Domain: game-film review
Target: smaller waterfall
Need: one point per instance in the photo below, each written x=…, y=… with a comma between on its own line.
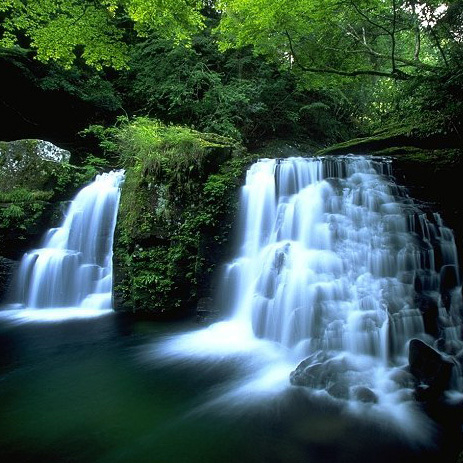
x=74, y=266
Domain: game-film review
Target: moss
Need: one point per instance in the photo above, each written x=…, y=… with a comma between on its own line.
x=176, y=210
x=397, y=140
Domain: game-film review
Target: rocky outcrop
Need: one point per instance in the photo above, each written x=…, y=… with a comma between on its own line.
x=175, y=213
x=319, y=371
x=430, y=369
x=7, y=269
x=29, y=164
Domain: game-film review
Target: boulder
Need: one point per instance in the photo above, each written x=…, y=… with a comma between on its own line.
x=318, y=371
x=364, y=394
x=29, y=163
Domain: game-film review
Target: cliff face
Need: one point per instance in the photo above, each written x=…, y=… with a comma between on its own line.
x=177, y=207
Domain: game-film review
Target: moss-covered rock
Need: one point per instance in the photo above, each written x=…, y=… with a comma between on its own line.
x=7, y=269
x=398, y=138
x=177, y=207
x=29, y=163
x=35, y=177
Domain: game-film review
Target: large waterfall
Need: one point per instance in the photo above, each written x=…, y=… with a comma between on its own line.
x=338, y=269
x=74, y=266
x=337, y=264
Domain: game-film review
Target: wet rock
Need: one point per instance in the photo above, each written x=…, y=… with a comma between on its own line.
x=448, y=282
x=448, y=277
x=450, y=347
x=364, y=394
x=339, y=390
x=403, y=378
x=428, y=307
x=318, y=372
x=7, y=269
x=306, y=375
x=206, y=313
x=431, y=371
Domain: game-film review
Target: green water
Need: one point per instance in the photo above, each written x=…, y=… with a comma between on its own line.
x=92, y=391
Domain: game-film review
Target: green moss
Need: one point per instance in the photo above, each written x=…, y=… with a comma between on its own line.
x=399, y=140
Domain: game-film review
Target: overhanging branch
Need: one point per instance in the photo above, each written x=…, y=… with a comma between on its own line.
x=394, y=74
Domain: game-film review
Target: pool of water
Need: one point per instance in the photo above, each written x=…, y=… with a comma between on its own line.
x=114, y=389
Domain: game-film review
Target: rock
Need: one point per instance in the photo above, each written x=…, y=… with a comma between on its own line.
x=307, y=375
x=427, y=304
x=318, y=372
x=173, y=221
x=339, y=390
x=448, y=282
x=448, y=278
x=29, y=163
x=206, y=312
x=403, y=378
x=7, y=270
x=364, y=394
x=431, y=371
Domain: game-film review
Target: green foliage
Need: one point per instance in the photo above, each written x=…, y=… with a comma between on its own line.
x=21, y=211
x=433, y=105
x=390, y=61
x=86, y=84
x=93, y=31
x=235, y=94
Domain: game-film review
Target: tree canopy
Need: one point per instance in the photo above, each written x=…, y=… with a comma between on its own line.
x=93, y=30
x=245, y=68
x=384, y=38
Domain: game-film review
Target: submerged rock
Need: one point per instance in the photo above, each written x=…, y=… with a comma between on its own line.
x=364, y=394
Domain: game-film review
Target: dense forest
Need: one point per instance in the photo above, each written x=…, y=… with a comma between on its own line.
x=250, y=70
x=184, y=94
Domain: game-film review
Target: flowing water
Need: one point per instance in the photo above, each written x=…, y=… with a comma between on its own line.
x=73, y=269
x=333, y=260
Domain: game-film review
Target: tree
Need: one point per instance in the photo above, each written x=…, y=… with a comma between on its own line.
x=93, y=30
x=382, y=38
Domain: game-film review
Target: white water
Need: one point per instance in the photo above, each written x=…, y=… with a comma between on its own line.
x=73, y=269
x=331, y=254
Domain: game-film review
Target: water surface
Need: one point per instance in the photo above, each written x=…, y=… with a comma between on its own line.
x=106, y=389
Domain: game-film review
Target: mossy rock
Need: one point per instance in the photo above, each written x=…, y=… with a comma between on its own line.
x=398, y=140
x=29, y=163
x=177, y=205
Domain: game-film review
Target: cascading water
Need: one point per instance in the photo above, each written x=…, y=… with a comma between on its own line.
x=74, y=266
x=339, y=266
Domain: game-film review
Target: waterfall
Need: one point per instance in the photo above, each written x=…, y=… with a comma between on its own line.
x=74, y=266
x=338, y=265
